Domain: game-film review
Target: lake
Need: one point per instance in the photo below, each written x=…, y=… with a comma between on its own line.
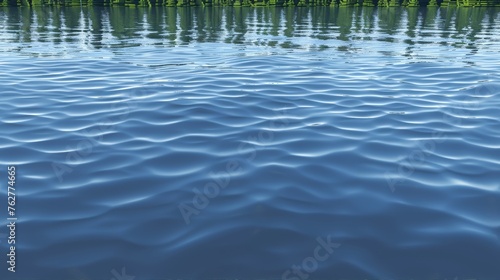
x=339, y=143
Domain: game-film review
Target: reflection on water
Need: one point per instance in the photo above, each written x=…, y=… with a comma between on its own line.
x=378, y=128
x=61, y=29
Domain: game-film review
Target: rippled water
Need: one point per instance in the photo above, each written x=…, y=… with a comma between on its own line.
x=231, y=143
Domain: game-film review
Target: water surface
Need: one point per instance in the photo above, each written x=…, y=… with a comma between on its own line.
x=375, y=128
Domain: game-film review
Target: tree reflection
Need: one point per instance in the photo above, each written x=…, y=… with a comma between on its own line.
x=288, y=27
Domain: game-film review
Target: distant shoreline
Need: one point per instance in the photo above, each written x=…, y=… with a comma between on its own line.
x=255, y=3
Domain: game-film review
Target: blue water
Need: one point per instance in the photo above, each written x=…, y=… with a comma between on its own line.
x=232, y=143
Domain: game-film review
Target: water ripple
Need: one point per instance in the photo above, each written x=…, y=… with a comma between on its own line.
x=394, y=155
